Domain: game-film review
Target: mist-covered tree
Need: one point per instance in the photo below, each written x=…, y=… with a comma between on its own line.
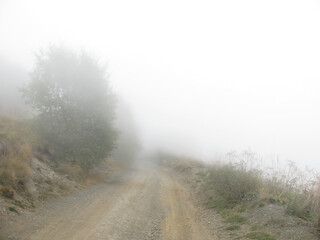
x=11, y=78
x=128, y=145
x=74, y=105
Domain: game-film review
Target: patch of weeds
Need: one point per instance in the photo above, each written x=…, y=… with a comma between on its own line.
x=260, y=236
x=236, y=219
x=63, y=187
x=201, y=174
x=258, y=203
x=255, y=227
x=233, y=228
x=300, y=206
x=48, y=181
x=208, y=185
x=241, y=209
x=225, y=213
x=42, y=197
x=235, y=184
x=220, y=204
x=13, y=209
x=211, y=204
x=276, y=222
x=7, y=192
x=262, y=204
x=18, y=203
x=278, y=199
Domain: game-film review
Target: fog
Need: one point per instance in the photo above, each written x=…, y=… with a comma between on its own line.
x=202, y=78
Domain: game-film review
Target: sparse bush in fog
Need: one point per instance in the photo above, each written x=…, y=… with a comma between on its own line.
x=74, y=105
x=234, y=184
x=128, y=143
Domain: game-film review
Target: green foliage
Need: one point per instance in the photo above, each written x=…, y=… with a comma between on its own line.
x=278, y=199
x=236, y=219
x=219, y=204
x=74, y=106
x=13, y=209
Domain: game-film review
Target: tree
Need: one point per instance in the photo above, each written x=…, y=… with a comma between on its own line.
x=11, y=102
x=74, y=105
x=128, y=142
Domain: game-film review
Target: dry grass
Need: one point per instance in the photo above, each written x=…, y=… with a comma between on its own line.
x=233, y=183
x=7, y=192
x=72, y=171
x=86, y=178
x=18, y=145
x=298, y=190
x=242, y=180
x=16, y=142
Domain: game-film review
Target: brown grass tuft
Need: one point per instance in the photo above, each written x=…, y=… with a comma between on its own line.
x=16, y=141
x=7, y=192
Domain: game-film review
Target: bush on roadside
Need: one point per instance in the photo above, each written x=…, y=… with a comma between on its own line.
x=233, y=184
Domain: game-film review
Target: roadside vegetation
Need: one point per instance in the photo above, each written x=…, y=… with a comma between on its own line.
x=75, y=107
x=16, y=150
x=17, y=140
x=67, y=134
x=239, y=190
x=30, y=172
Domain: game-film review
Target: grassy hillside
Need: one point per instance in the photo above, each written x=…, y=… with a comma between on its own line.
x=251, y=200
x=16, y=149
x=30, y=172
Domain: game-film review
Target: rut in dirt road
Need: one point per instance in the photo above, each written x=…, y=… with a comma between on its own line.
x=143, y=204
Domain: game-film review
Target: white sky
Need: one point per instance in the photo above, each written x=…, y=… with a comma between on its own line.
x=202, y=77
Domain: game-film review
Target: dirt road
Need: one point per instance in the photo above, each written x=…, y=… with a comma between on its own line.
x=142, y=204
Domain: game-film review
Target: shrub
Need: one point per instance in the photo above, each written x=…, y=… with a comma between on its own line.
x=7, y=192
x=233, y=184
x=13, y=209
x=299, y=206
x=75, y=106
x=6, y=177
x=15, y=172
